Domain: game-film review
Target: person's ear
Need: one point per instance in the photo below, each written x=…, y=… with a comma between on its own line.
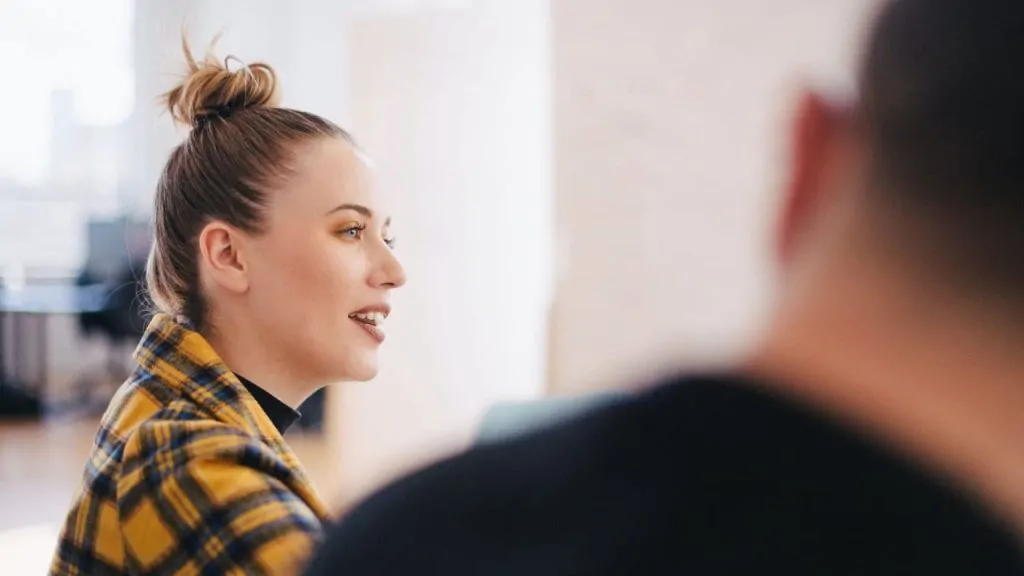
x=221, y=254
x=813, y=140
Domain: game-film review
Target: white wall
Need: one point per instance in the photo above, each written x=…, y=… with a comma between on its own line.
x=671, y=124
x=454, y=106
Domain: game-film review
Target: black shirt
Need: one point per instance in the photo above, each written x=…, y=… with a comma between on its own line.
x=701, y=476
x=280, y=414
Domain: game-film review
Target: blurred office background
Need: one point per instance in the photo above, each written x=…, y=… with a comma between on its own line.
x=583, y=192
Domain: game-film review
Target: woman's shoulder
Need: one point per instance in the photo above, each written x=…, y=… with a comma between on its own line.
x=188, y=477
x=174, y=437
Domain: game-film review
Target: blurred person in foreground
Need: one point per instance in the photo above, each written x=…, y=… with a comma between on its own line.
x=270, y=268
x=877, y=428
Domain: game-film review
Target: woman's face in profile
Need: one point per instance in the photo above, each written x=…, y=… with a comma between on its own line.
x=321, y=274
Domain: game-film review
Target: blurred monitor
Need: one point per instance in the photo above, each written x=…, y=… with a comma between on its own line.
x=111, y=243
x=507, y=421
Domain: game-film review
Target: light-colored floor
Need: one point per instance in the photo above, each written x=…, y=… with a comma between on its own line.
x=40, y=468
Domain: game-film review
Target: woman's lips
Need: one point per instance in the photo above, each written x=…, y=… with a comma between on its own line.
x=370, y=325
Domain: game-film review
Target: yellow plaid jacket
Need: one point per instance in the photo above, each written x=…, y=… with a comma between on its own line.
x=188, y=475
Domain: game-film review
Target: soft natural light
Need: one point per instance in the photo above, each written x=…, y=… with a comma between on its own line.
x=60, y=45
x=398, y=7
x=27, y=551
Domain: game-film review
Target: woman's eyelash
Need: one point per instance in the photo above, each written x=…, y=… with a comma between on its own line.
x=356, y=231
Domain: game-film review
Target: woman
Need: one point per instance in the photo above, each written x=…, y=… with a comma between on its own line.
x=271, y=268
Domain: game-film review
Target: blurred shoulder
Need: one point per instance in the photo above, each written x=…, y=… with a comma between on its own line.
x=556, y=488
x=607, y=443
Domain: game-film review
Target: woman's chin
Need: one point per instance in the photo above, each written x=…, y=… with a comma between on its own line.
x=349, y=364
x=360, y=369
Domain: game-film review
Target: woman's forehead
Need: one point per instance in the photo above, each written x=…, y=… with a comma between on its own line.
x=330, y=173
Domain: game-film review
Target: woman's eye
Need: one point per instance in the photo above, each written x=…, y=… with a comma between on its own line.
x=354, y=233
x=390, y=241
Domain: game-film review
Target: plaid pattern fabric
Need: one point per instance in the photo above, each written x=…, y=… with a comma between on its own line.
x=187, y=475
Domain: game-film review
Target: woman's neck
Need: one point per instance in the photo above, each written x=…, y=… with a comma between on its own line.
x=242, y=354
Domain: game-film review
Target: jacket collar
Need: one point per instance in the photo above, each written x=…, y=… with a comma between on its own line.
x=183, y=360
x=180, y=358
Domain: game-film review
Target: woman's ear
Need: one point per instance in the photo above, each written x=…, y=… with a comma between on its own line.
x=223, y=258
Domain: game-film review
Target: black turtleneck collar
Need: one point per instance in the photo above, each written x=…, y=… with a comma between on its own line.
x=280, y=414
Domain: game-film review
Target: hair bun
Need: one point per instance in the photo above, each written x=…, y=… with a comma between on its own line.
x=211, y=89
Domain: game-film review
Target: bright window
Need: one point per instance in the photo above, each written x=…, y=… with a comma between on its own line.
x=66, y=67
x=81, y=49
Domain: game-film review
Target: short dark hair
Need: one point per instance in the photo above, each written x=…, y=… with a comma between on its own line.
x=942, y=103
x=240, y=145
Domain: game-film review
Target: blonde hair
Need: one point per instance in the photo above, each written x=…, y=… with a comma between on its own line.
x=239, y=145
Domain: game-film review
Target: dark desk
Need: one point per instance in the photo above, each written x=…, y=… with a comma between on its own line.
x=34, y=304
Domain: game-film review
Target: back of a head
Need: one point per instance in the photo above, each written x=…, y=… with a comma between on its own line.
x=942, y=103
x=240, y=144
